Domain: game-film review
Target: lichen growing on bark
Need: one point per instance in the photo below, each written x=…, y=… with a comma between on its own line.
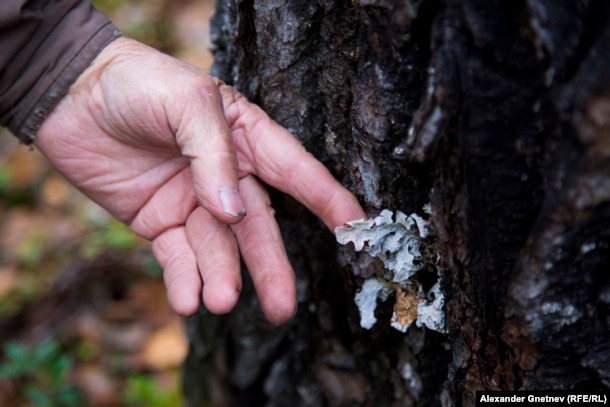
x=399, y=243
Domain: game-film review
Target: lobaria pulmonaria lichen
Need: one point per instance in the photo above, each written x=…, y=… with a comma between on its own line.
x=403, y=245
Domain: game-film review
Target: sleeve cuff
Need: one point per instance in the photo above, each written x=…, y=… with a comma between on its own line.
x=27, y=128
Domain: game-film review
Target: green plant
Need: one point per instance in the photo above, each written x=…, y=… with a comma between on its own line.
x=43, y=372
x=13, y=195
x=110, y=234
x=5, y=179
x=144, y=391
x=31, y=251
x=151, y=266
x=118, y=236
x=107, y=6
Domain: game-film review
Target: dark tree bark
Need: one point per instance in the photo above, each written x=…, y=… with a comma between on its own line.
x=497, y=113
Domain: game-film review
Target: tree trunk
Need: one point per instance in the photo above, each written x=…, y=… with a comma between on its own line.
x=497, y=115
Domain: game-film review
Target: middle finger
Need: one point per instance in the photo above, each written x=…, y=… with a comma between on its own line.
x=217, y=259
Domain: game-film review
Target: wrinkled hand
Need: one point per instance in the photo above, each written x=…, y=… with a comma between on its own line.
x=178, y=156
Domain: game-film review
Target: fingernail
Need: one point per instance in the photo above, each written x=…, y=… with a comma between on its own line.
x=231, y=202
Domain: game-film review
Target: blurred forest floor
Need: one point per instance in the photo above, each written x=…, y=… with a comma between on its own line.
x=84, y=319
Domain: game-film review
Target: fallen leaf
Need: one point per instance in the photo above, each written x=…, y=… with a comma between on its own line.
x=166, y=348
x=98, y=387
x=9, y=280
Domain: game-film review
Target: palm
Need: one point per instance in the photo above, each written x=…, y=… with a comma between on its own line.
x=155, y=153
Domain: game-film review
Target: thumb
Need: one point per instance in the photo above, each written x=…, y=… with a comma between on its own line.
x=203, y=135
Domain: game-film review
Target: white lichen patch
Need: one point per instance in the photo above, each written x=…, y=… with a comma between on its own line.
x=564, y=314
x=409, y=374
x=398, y=244
x=431, y=313
x=366, y=299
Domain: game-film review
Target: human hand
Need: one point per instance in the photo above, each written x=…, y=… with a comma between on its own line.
x=178, y=155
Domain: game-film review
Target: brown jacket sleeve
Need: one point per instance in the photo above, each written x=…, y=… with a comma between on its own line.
x=44, y=46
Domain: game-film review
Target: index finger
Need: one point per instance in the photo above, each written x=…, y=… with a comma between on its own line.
x=277, y=158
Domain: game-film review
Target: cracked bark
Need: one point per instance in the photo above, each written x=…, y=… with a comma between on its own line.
x=498, y=114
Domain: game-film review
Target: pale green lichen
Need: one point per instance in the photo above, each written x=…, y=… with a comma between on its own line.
x=397, y=242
